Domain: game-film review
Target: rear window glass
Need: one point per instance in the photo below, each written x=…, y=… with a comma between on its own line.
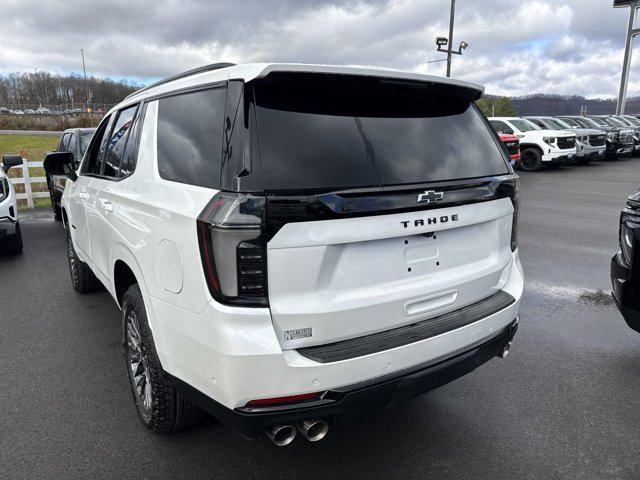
x=190, y=129
x=346, y=132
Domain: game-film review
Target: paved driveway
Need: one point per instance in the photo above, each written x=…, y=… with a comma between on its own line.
x=565, y=404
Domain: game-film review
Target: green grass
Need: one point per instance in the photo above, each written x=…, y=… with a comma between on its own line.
x=34, y=148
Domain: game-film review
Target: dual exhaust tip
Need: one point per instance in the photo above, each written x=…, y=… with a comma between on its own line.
x=312, y=430
x=316, y=430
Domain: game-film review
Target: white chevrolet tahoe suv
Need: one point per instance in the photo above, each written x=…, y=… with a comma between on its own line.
x=10, y=233
x=295, y=244
x=538, y=147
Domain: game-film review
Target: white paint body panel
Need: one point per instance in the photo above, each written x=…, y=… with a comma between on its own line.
x=350, y=277
x=6, y=204
x=345, y=277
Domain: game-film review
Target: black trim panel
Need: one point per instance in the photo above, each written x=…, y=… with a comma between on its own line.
x=398, y=337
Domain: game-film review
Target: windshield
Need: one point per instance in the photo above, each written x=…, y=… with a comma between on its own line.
x=616, y=122
x=600, y=121
x=556, y=124
x=565, y=123
x=632, y=121
x=365, y=132
x=571, y=122
x=85, y=138
x=524, y=125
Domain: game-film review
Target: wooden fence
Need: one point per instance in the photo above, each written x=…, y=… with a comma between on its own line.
x=27, y=180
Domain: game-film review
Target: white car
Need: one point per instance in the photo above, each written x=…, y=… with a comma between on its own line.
x=590, y=143
x=290, y=244
x=538, y=147
x=10, y=233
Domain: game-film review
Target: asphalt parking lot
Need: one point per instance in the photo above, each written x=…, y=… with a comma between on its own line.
x=564, y=404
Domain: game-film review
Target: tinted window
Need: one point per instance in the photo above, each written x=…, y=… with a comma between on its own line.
x=324, y=133
x=128, y=164
x=98, y=146
x=117, y=142
x=190, y=130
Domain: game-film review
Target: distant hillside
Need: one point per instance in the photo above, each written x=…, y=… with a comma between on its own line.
x=545, y=104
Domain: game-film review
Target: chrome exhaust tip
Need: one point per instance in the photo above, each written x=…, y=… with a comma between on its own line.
x=505, y=350
x=313, y=430
x=281, y=435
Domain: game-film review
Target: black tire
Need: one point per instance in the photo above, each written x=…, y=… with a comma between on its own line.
x=13, y=243
x=531, y=160
x=160, y=407
x=82, y=278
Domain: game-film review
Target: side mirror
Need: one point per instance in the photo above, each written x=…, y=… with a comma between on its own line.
x=60, y=163
x=507, y=131
x=9, y=161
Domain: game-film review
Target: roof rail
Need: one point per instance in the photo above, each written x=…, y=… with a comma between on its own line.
x=188, y=73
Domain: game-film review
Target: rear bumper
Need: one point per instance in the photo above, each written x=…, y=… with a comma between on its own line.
x=626, y=292
x=227, y=356
x=360, y=399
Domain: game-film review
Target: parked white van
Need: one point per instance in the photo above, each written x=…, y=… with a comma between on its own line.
x=295, y=244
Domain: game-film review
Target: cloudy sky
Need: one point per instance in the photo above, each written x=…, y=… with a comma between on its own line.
x=516, y=47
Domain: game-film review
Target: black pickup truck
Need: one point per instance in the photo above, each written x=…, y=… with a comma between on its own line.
x=625, y=265
x=76, y=141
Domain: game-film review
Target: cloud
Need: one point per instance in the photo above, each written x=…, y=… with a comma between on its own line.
x=518, y=48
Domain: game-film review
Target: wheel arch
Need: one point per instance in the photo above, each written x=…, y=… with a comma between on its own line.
x=525, y=146
x=125, y=272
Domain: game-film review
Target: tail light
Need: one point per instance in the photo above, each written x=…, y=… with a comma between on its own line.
x=510, y=188
x=233, y=249
x=628, y=224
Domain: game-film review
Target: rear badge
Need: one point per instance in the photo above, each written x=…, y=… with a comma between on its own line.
x=430, y=196
x=297, y=334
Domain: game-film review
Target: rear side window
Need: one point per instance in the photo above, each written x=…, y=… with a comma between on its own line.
x=98, y=146
x=118, y=141
x=319, y=132
x=190, y=131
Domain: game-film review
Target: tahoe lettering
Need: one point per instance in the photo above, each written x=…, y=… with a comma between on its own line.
x=421, y=222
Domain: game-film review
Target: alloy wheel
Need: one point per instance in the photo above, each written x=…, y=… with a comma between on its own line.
x=137, y=361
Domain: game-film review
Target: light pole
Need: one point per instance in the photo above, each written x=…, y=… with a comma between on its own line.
x=626, y=64
x=86, y=92
x=444, y=42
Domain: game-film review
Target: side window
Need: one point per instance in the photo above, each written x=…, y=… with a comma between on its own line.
x=190, y=131
x=129, y=160
x=499, y=126
x=117, y=142
x=92, y=165
x=63, y=146
x=103, y=147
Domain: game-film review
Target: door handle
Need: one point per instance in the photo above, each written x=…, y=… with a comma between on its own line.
x=83, y=195
x=107, y=206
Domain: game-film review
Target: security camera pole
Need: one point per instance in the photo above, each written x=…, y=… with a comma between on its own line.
x=443, y=42
x=631, y=33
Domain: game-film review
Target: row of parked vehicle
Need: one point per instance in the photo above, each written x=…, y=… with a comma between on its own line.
x=47, y=111
x=561, y=140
